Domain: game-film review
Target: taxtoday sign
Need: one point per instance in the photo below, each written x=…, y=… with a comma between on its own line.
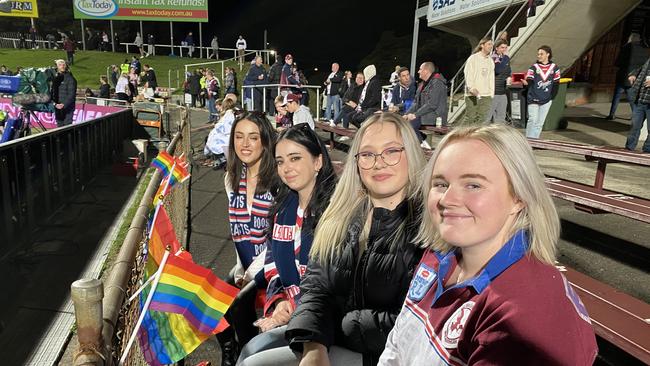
x=147, y=10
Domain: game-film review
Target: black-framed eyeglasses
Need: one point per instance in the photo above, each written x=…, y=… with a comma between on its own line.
x=391, y=156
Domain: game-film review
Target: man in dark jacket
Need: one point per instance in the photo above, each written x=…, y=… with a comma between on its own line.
x=639, y=93
x=430, y=99
x=256, y=76
x=403, y=92
x=631, y=57
x=64, y=92
x=332, y=84
x=275, y=73
x=150, y=76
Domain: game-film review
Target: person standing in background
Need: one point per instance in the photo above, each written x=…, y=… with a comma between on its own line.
x=138, y=43
x=69, y=47
x=640, y=96
x=241, y=48
x=631, y=57
x=542, y=79
x=215, y=48
x=502, y=71
x=64, y=92
x=479, y=83
x=151, y=46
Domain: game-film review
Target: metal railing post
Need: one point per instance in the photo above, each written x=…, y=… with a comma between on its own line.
x=87, y=295
x=317, y=103
x=263, y=99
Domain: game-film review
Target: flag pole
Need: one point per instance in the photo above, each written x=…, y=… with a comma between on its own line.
x=155, y=214
x=147, y=282
x=143, y=312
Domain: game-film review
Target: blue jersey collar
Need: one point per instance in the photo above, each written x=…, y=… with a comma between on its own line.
x=512, y=251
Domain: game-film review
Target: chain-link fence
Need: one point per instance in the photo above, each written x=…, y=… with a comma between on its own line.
x=176, y=204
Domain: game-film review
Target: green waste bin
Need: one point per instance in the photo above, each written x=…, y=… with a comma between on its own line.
x=556, y=112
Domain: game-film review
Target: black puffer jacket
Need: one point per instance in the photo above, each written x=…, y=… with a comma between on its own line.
x=353, y=302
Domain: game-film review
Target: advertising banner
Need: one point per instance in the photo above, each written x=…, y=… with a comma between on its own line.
x=443, y=11
x=146, y=10
x=23, y=8
x=82, y=113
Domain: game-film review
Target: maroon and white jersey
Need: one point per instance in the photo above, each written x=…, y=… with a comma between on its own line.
x=516, y=311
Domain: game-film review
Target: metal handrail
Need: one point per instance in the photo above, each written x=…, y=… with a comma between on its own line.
x=492, y=31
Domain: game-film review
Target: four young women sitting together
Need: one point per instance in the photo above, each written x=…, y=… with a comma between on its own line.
x=398, y=263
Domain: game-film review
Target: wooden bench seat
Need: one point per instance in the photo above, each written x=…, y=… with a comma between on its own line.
x=334, y=131
x=595, y=200
x=442, y=130
x=616, y=316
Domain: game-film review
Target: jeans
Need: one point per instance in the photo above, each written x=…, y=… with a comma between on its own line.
x=416, y=124
x=536, y=117
x=332, y=101
x=212, y=109
x=338, y=356
x=273, y=338
x=618, y=91
x=498, y=109
x=640, y=113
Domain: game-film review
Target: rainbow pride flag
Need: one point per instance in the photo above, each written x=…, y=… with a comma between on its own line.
x=166, y=338
x=193, y=291
x=162, y=234
x=163, y=162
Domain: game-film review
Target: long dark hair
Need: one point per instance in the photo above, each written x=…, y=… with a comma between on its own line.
x=267, y=177
x=325, y=180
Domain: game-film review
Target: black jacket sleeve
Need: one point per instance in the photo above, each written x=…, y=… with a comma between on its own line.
x=313, y=319
x=373, y=95
x=70, y=92
x=366, y=330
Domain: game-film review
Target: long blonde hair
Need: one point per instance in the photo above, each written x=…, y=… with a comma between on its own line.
x=483, y=41
x=351, y=200
x=526, y=182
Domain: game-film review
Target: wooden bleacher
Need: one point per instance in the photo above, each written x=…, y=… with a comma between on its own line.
x=594, y=198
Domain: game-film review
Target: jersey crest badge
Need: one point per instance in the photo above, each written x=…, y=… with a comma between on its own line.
x=421, y=283
x=454, y=326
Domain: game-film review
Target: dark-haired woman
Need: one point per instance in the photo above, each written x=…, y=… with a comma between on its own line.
x=250, y=180
x=543, y=79
x=305, y=168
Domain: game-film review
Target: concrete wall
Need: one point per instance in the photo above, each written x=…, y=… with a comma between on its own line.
x=569, y=27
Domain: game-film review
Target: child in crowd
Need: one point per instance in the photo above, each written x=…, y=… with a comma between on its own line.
x=487, y=291
x=216, y=145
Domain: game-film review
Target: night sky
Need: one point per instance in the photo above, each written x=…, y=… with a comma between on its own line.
x=316, y=32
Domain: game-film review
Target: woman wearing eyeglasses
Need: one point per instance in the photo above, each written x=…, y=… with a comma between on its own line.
x=362, y=257
x=250, y=181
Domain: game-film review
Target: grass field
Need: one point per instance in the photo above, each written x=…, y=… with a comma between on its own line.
x=89, y=65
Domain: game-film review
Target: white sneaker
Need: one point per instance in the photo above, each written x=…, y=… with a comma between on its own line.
x=425, y=145
x=332, y=124
x=344, y=138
